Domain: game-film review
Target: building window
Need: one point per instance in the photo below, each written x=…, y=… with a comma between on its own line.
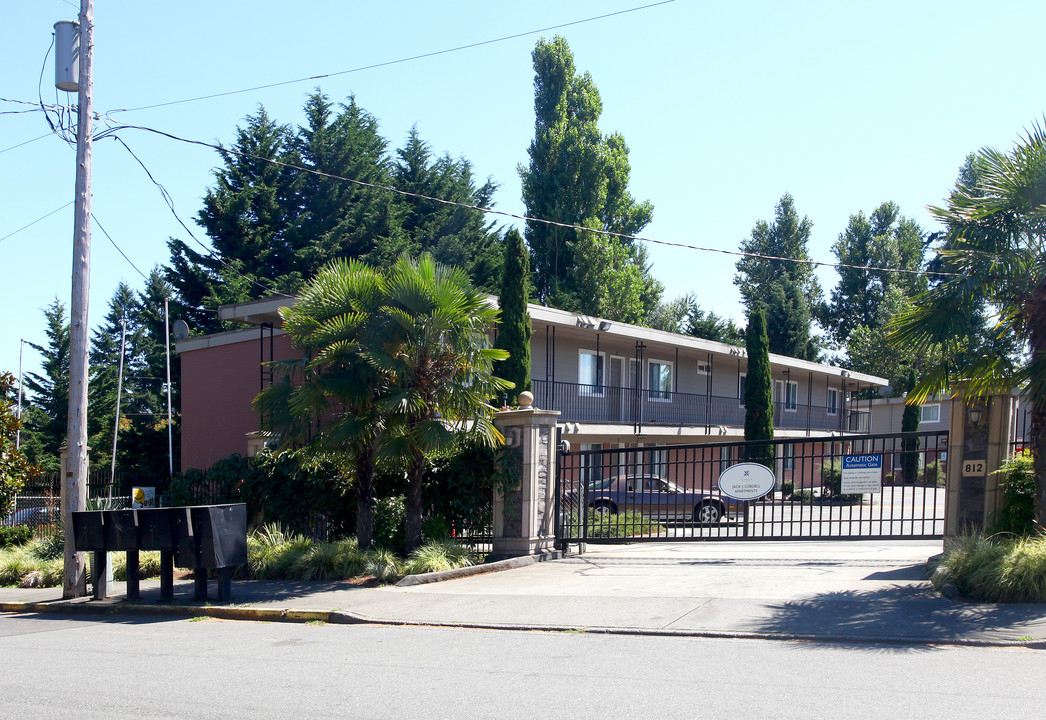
x=791, y=396
x=660, y=387
x=590, y=373
x=930, y=413
x=704, y=368
x=833, y=401
x=657, y=463
x=741, y=390
x=726, y=456
x=788, y=453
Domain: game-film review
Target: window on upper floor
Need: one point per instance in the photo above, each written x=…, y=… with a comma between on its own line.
x=741, y=389
x=833, y=401
x=590, y=372
x=660, y=379
x=930, y=413
x=704, y=368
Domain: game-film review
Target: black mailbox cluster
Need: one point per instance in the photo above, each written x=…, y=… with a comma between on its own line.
x=203, y=537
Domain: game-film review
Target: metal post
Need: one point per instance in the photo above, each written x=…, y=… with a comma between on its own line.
x=119, y=395
x=18, y=430
x=167, y=349
x=74, y=581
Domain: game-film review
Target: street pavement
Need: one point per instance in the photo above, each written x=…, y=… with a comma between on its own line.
x=844, y=591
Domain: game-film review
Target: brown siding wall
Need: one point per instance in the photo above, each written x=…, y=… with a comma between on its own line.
x=218, y=385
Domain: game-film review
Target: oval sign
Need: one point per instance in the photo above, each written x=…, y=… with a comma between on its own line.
x=746, y=481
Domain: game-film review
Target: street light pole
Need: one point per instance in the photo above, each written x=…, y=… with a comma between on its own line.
x=18, y=432
x=74, y=484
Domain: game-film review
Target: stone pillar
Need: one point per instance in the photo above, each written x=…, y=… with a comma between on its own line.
x=979, y=442
x=524, y=522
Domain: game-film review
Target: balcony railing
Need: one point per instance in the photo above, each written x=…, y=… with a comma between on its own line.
x=633, y=406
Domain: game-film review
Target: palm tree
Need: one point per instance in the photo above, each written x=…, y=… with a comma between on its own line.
x=994, y=248
x=430, y=343
x=328, y=397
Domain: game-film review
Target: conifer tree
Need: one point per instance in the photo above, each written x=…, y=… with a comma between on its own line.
x=515, y=329
x=759, y=408
x=910, y=423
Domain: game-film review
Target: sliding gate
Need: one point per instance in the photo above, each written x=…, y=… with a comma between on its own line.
x=859, y=487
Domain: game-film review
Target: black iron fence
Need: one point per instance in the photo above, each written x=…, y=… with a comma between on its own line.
x=635, y=406
x=869, y=487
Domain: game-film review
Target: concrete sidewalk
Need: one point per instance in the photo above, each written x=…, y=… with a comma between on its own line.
x=860, y=591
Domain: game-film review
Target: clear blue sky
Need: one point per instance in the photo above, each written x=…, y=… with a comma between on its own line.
x=725, y=107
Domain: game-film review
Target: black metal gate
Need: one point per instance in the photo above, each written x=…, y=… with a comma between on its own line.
x=671, y=493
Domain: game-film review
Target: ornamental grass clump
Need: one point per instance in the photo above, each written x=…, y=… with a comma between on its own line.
x=437, y=555
x=996, y=568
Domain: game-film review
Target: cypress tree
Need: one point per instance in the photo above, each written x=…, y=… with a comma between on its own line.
x=514, y=331
x=910, y=423
x=759, y=409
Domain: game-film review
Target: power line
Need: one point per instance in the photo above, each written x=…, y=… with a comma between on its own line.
x=26, y=142
x=110, y=238
x=525, y=218
x=394, y=62
x=170, y=204
x=34, y=222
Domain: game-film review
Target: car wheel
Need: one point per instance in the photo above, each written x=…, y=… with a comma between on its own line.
x=707, y=513
x=602, y=508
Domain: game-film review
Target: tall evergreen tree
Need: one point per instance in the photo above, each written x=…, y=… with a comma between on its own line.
x=515, y=329
x=910, y=423
x=759, y=407
x=49, y=391
x=885, y=239
x=580, y=177
x=789, y=304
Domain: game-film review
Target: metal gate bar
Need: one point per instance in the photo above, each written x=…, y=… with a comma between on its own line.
x=670, y=492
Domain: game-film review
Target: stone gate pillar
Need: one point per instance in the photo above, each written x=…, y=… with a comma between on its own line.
x=524, y=522
x=979, y=442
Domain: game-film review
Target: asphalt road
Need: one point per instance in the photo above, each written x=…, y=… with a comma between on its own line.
x=59, y=667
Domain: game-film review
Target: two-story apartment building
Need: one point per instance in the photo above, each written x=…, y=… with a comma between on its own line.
x=615, y=385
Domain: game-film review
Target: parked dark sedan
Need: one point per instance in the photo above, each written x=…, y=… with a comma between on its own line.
x=35, y=517
x=657, y=498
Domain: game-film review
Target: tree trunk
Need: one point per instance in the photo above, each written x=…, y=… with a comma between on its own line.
x=365, y=498
x=1037, y=430
x=415, y=479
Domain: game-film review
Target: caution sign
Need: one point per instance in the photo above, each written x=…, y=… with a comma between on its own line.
x=862, y=474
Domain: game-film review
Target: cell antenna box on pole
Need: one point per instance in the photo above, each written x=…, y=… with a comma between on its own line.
x=67, y=55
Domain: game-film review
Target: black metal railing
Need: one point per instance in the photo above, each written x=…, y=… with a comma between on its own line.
x=868, y=487
x=634, y=406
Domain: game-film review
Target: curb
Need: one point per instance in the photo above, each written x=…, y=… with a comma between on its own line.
x=342, y=617
x=481, y=569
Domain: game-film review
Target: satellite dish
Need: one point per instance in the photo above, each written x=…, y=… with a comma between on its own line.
x=883, y=391
x=181, y=330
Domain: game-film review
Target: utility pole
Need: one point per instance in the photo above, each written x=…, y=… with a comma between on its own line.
x=74, y=484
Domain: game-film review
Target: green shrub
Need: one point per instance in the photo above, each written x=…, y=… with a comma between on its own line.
x=787, y=488
x=617, y=525
x=1017, y=481
x=933, y=474
x=832, y=482
x=802, y=496
x=390, y=523
x=382, y=564
x=435, y=556
x=997, y=568
x=14, y=536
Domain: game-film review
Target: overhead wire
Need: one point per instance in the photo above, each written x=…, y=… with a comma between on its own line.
x=45, y=135
x=170, y=204
x=387, y=63
x=525, y=218
x=118, y=249
x=34, y=222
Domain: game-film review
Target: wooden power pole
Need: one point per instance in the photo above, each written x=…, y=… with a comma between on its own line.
x=74, y=484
